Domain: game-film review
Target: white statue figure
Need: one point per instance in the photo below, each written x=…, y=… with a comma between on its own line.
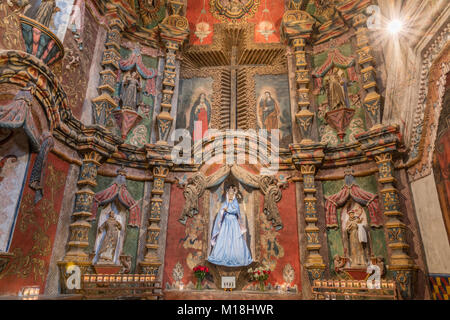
x=108, y=242
x=355, y=234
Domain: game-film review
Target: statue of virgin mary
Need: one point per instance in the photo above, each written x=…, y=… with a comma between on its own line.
x=228, y=244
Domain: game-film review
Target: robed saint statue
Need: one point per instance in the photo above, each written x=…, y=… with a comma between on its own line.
x=228, y=240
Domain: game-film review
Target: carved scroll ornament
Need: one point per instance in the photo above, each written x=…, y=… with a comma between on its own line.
x=268, y=185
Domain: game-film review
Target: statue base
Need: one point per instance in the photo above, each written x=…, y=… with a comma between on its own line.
x=358, y=273
x=241, y=274
x=107, y=268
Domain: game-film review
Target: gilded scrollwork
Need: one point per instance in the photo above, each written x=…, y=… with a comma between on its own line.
x=268, y=185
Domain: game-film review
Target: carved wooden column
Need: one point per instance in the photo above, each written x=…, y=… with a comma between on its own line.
x=304, y=116
x=104, y=103
x=297, y=26
x=307, y=159
x=372, y=100
x=152, y=260
x=94, y=146
x=164, y=119
x=84, y=197
x=401, y=264
x=174, y=31
x=307, y=155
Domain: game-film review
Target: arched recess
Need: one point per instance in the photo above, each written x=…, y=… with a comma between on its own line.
x=28, y=74
x=32, y=106
x=268, y=185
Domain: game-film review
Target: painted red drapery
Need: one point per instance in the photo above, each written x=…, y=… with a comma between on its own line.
x=125, y=198
x=359, y=195
x=203, y=119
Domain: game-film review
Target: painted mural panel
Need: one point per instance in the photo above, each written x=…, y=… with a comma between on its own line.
x=14, y=158
x=273, y=106
x=35, y=230
x=268, y=21
x=265, y=15
x=195, y=106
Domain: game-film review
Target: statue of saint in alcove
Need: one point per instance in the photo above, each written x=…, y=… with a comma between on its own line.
x=110, y=234
x=229, y=234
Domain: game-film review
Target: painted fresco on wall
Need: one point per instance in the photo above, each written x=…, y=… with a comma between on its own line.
x=35, y=230
x=336, y=86
x=114, y=234
x=265, y=15
x=354, y=235
x=441, y=158
x=136, y=91
x=194, y=106
x=14, y=157
x=9, y=24
x=77, y=64
x=273, y=106
x=201, y=22
x=268, y=21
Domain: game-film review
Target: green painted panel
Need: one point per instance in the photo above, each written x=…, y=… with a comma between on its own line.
x=334, y=236
x=130, y=246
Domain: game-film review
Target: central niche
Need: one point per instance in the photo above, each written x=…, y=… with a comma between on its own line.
x=232, y=232
x=235, y=225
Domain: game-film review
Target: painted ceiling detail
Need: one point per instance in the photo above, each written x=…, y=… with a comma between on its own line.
x=232, y=10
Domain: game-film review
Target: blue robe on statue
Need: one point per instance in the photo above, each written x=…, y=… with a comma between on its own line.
x=229, y=246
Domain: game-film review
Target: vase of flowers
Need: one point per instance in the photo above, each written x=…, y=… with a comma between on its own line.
x=200, y=273
x=260, y=274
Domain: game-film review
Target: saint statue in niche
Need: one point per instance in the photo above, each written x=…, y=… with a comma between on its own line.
x=356, y=234
x=109, y=233
x=200, y=113
x=335, y=90
x=268, y=112
x=131, y=87
x=44, y=13
x=228, y=242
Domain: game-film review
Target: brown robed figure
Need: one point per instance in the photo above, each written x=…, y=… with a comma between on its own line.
x=269, y=112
